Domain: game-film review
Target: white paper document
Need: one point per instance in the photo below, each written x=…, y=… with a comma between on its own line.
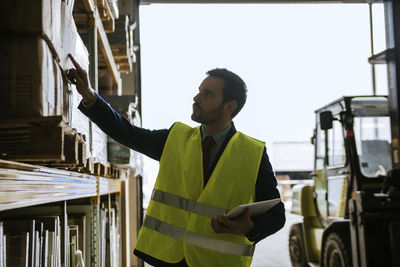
x=255, y=208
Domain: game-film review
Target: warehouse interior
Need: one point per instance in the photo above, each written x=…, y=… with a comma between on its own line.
x=70, y=195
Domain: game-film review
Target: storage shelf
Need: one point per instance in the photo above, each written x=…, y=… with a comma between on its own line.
x=106, y=49
x=90, y=7
x=109, y=186
x=23, y=185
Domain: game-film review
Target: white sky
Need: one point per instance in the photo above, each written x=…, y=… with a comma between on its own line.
x=294, y=59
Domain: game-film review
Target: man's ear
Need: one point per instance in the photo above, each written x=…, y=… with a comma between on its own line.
x=230, y=106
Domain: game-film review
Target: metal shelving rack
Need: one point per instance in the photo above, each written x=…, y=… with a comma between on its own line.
x=23, y=186
x=26, y=185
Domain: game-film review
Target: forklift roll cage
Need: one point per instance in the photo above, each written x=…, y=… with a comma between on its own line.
x=366, y=106
x=345, y=114
x=345, y=206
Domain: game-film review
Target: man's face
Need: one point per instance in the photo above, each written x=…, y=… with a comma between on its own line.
x=208, y=106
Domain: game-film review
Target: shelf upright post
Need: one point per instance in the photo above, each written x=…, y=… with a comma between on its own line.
x=92, y=49
x=140, y=209
x=95, y=227
x=93, y=77
x=108, y=220
x=125, y=216
x=137, y=66
x=93, y=60
x=120, y=214
x=64, y=234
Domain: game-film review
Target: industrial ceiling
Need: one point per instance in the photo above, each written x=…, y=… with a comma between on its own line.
x=144, y=2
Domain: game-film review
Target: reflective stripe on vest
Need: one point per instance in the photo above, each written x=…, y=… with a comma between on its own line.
x=197, y=239
x=186, y=204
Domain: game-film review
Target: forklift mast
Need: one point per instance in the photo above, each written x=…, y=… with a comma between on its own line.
x=391, y=56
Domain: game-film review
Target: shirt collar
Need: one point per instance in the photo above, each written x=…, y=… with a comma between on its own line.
x=219, y=137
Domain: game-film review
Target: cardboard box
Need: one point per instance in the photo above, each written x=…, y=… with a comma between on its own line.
x=31, y=82
x=99, y=148
x=50, y=19
x=71, y=41
x=32, y=16
x=78, y=120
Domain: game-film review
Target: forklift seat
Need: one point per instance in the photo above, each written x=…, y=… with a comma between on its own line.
x=375, y=157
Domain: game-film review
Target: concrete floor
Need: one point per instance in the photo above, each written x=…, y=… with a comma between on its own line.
x=273, y=251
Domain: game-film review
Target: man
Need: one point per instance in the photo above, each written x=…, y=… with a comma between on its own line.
x=204, y=171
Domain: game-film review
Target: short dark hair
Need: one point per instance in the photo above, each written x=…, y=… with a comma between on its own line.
x=234, y=87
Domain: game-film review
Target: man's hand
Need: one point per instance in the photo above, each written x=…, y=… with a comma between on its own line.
x=240, y=225
x=79, y=77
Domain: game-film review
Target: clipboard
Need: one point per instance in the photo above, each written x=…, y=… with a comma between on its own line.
x=255, y=208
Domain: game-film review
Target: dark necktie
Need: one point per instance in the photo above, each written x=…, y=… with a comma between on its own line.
x=207, y=144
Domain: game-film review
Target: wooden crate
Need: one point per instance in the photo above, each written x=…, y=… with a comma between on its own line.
x=108, y=171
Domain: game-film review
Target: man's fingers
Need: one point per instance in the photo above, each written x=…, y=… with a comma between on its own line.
x=225, y=221
x=218, y=227
x=72, y=75
x=214, y=225
x=246, y=213
x=77, y=66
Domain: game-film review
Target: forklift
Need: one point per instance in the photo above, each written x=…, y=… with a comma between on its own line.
x=351, y=213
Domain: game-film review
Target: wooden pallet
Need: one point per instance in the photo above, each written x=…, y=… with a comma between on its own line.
x=114, y=172
x=80, y=15
x=50, y=142
x=123, y=57
x=42, y=139
x=106, y=16
x=81, y=21
x=108, y=171
x=124, y=63
x=74, y=150
x=120, y=50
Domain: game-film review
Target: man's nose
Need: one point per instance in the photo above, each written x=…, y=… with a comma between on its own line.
x=196, y=98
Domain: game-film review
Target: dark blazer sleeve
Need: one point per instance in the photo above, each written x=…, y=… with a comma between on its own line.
x=149, y=142
x=266, y=188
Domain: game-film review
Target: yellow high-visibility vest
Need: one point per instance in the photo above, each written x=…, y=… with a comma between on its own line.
x=178, y=219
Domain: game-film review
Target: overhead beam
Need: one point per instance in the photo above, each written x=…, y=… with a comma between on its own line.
x=147, y=2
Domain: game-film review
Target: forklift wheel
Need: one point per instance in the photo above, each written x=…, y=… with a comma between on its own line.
x=336, y=251
x=296, y=247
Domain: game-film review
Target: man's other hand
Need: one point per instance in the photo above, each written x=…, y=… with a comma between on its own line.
x=79, y=77
x=240, y=225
